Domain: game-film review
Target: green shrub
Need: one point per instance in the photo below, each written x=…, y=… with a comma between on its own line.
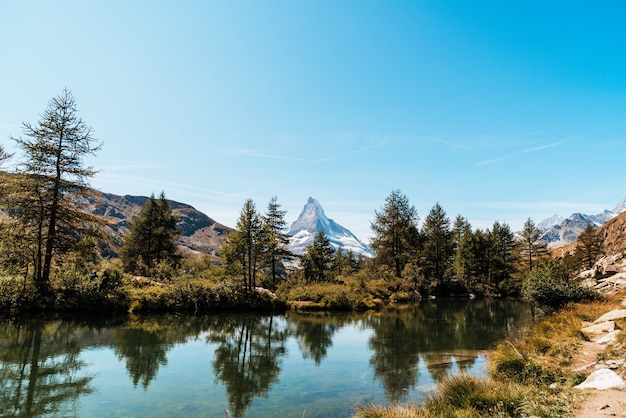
x=16, y=295
x=549, y=285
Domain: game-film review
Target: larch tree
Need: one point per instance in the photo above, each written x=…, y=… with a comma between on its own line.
x=396, y=235
x=245, y=247
x=152, y=237
x=277, y=238
x=531, y=246
x=46, y=195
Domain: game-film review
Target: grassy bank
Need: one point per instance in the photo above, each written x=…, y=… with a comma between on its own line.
x=196, y=289
x=72, y=291
x=533, y=377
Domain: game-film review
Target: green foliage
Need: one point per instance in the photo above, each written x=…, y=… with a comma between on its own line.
x=199, y=296
x=549, y=285
x=45, y=197
x=17, y=295
x=531, y=247
x=396, y=237
x=438, y=251
x=589, y=246
x=152, y=237
x=242, y=254
x=277, y=240
x=318, y=260
x=484, y=261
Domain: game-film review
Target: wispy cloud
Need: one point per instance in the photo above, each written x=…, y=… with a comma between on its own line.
x=524, y=151
x=450, y=144
x=254, y=153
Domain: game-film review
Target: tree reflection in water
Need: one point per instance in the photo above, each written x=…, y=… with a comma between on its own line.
x=41, y=372
x=248, y=357
x=39, y=369
x=442, y=333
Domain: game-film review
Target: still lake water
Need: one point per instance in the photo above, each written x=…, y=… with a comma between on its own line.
x=244, y=365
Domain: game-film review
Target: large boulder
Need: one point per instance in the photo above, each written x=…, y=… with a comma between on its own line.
x=602, y=379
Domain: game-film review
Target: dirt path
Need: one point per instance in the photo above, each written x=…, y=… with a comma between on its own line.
x=599, y=403
x=604, y=403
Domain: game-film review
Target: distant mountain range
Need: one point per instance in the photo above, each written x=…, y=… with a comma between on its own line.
x=312, y=220
x=201, y=234
x=558, y=231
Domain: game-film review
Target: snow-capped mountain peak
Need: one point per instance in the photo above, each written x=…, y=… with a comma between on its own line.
x=312, y=220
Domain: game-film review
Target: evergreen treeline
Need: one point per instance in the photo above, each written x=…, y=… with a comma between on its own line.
x=49, y=246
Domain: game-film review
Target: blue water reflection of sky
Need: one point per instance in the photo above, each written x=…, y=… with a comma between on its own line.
x=186, y=384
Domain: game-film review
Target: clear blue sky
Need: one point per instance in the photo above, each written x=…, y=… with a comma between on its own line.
x=497, y=110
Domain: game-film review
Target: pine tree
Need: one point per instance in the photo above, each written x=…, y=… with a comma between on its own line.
x=319, y=258
x=46, y=195
x=438, y=250
x=396, y=237
x=152, y=237
x=460, y=230
x=503, y=259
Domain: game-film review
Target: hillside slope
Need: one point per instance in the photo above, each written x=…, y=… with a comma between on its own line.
x=200, y=233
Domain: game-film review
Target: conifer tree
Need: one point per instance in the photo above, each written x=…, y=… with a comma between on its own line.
x=396, y=237
x=245, y=246
x=438, y=250
x=589, y=246
x=503, y=259
x=461, y=230
x=46, y=195
x=531, y=246
x=318, y=259
x=152, y=237
x=277, y=239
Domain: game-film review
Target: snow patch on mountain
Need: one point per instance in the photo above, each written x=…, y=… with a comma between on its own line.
x=312, y=220
x=550, y=222
x=565, y=231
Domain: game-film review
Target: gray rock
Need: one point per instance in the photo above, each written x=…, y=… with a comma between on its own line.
x=611, y=316
x=602, y=379
x=609, y=338
x=596, y=330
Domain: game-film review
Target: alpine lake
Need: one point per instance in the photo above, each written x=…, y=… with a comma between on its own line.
x=317, y=364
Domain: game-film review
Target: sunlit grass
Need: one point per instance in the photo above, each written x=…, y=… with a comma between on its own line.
x=528, y=377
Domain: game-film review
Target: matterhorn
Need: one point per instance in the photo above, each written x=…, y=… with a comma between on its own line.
x=312, y=220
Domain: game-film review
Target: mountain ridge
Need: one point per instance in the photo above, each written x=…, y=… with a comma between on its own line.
x=558, y=231
x=200, y=233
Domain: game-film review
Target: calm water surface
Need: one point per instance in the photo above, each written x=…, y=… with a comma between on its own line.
x=317, y=364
